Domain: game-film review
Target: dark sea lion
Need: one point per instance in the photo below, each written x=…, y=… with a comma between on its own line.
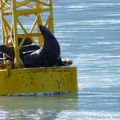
x=1, y=57
x=47, y=55
x=9, y=51
x=60, y=62
x=27, y=41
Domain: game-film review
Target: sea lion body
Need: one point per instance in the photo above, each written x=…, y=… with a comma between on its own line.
x=35, y=56
x=47, y=55
x=9, y=50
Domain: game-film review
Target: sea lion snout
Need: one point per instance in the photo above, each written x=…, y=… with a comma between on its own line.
x=44, y=31
x=41, y=28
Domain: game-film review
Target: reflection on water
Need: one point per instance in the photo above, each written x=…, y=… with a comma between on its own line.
x=37, y=107
x=47, y=102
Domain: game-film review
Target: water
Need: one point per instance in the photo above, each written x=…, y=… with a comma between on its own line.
x=88, y=32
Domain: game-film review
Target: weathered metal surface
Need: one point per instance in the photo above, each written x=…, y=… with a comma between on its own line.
x=35, y=80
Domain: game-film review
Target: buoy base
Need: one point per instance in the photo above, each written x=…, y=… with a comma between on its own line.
x=38, y=80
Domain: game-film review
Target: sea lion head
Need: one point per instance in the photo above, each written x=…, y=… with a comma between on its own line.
x=47, y=35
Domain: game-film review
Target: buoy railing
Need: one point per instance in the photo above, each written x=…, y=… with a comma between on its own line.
x=13, y=27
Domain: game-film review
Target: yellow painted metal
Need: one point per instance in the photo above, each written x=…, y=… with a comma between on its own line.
x=15, y=79
x=12, y=13
x=36, y=80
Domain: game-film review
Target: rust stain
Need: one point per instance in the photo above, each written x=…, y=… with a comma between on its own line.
x=58, y=84
x=43, y=86
x=51, y=76
x=22, y=76
x=32, y=82
x=26, y=85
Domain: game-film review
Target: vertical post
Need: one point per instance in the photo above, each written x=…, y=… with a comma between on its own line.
x=2, y=23
x=51, y=18
x=17, y=60
x=39, y=21
x=1, y=15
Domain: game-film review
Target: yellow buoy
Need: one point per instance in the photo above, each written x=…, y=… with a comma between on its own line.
x=14, y=78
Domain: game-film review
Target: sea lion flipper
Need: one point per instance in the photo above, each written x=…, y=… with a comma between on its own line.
x=60, y=62
x=9, y=51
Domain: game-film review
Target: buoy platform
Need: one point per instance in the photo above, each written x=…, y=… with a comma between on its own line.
x=14, y=77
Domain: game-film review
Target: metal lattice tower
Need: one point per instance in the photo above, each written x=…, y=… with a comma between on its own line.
x=21, y=19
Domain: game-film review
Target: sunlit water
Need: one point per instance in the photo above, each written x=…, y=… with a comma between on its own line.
x=89, y=34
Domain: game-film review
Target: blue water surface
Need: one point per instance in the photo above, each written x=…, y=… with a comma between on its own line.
x=89, y=34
